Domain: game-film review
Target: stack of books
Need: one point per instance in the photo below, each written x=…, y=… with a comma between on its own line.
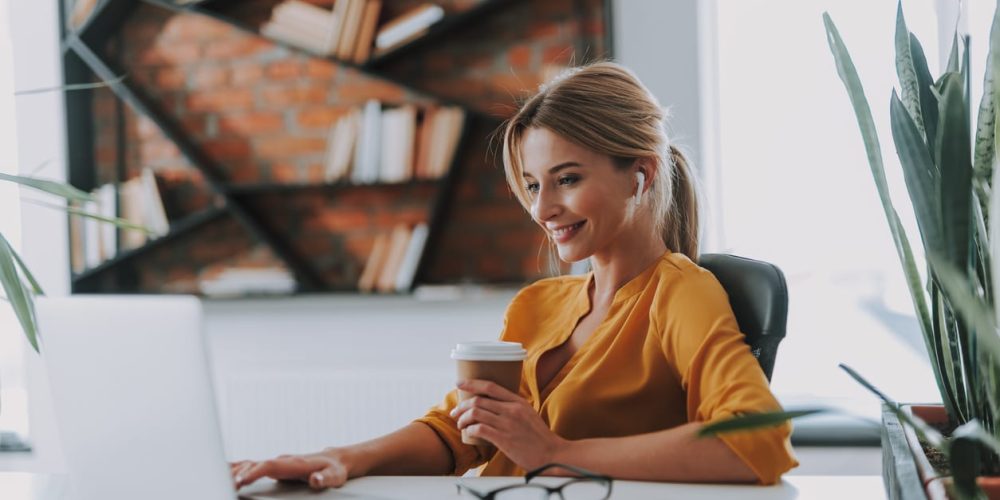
x=392, y=264
x=241, y=282
x=393, y=144
x=346, y=32
x=137, y=200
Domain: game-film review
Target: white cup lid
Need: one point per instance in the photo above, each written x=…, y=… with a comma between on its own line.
x=490, y=350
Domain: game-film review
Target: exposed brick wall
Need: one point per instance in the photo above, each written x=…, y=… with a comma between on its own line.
x=262, y=112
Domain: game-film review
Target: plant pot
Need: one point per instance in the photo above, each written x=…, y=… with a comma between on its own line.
x=906, y=471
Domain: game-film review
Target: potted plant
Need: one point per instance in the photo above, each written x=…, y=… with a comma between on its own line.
x=949, y=176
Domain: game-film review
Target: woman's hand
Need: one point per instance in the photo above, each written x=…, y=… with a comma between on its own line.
x=326, y=469
x=508, y=421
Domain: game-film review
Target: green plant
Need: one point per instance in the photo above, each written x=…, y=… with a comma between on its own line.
x=19, y=285
x=949, y=176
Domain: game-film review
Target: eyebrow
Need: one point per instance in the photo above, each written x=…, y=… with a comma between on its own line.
x=556, y=168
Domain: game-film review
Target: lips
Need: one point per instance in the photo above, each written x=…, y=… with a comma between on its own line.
x=565, y=233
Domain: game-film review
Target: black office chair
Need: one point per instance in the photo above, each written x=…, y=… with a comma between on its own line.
x=759, y=298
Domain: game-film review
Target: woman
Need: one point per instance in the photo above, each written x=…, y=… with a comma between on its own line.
x=624, y=364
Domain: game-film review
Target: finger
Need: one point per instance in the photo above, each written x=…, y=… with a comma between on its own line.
x=330, y=477
x=487, y=388
x=480, y=401
x=485, y=431
x=479, y=416
x=240, y=472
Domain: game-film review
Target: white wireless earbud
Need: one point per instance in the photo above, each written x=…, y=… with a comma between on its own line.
x=641, y=177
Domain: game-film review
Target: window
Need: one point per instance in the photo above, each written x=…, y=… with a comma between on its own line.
x=796, y=190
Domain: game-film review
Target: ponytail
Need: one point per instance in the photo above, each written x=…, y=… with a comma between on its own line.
x=681, y=226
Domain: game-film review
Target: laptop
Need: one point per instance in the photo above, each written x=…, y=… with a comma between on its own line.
x=133, y=397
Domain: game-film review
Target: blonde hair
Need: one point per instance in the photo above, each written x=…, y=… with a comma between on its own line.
x=605, y=108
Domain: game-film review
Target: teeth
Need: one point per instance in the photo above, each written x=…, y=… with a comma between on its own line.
x=562, y=231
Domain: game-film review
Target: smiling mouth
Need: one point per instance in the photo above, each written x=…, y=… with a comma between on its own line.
x=566, y=232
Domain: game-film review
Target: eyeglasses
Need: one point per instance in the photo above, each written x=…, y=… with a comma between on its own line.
x=589, y=486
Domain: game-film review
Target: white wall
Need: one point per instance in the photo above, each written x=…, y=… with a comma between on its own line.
x=671, y=47
x=41, y=130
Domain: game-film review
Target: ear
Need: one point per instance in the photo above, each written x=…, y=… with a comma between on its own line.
x=649, y=168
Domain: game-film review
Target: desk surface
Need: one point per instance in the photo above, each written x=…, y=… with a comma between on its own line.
x=43, y=487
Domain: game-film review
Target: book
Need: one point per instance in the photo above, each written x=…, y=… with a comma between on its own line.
x=366, y=36
x=368, y=148
x=107, y=196
x=423, y=141
x=291, y=36
x=154, y=215
x=132, y=209
x=352, y=27
x=76, y=245
x=239, y=282
x=93, y=254
x=411, y=258
x=304, y=17
x=394, y=258
x=337, y=26
x=397, y=144
x=406, y=26
x=376, y=259
x=340, y=145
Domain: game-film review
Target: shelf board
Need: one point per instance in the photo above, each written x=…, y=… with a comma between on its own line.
x=177, y=229
x=274, y=187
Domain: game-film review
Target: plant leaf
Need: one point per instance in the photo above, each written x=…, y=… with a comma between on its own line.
x=920, y=174
x=57, y=188
x=928, y=102
x=953, y=55
x=35, y=287
x=17, y=294
x=926, y=432
x=752, y=421
x=849, y=76
x=955, y=164
x=963, y=456
x=971, y=308
x=908, y=81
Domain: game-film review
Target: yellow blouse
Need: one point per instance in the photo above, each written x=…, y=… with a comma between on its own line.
x=669, y=352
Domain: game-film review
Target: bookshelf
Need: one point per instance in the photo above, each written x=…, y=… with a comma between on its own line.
x=240, y=200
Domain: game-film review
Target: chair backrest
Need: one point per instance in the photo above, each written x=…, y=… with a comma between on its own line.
x=759, y=298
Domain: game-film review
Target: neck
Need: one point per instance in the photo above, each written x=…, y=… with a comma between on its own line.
x=616, y=266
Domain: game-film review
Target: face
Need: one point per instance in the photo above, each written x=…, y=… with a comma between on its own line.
x=578, y=196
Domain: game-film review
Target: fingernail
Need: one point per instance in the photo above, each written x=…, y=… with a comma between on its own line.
x=317, y=477
x=239, y=479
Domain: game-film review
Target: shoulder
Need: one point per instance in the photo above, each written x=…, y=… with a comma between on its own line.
x=685, y=289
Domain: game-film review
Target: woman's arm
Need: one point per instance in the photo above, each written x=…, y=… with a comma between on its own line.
x=413, y=450
x=676, y=454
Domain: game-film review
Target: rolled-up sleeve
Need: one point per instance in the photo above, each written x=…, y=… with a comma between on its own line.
x=720, y=375
x=465, y=456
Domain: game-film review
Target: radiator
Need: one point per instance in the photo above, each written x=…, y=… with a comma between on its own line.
x=265, y=415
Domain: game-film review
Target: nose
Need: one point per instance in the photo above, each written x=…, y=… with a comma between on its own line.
x=546, y=205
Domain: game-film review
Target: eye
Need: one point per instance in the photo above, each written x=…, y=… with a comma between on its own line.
x=568, y=180
x=532, y=187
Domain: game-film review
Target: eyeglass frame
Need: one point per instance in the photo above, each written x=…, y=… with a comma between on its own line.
x=585, y=475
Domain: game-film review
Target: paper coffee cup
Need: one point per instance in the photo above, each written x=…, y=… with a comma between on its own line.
x=496, y=361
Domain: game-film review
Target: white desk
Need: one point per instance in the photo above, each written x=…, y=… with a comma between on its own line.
x=41, y=487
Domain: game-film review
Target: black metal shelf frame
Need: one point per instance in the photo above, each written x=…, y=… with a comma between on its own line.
x=77, y=51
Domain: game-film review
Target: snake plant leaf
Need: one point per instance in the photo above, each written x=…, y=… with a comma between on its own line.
x=752, y=421
x=35, y=287
x=955, y=164
x=971, y=308
x=849, y=76
x=908, y=81
x=928, y=103
x=963, y=457
x=17, y=293
x=974, y=430
x=983, y=161
x=923, y=430
x=57, y=188
x=122, y=223
x=920, y=174
x=953, y=63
